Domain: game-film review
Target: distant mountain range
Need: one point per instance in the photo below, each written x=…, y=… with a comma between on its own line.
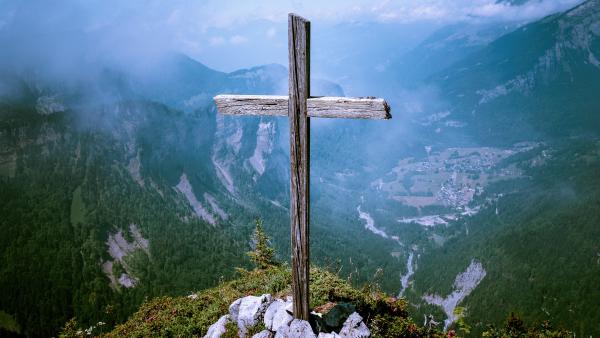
x=537, y=82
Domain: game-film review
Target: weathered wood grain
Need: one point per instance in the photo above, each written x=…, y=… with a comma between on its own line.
x=349, y=107
x=327, y=107
x=252, y=104
x=299, y=91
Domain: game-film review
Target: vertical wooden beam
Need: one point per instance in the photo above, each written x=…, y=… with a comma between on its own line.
x=299, y=81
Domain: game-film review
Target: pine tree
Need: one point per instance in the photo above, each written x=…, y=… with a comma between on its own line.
x=263, y=255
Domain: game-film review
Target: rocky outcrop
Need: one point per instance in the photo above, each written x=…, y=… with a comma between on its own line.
x=264, y=146
x=328, y=335
x=464, y=284
x=228, y=137
x=264, y=334
x=218, y=329
x=297, y=329
x=134, y=167
x=200, y=210
x=248, y=311
x=48, y=105
x=212, y=201
x=118, y=249
x=275, y=314
x=354, y=327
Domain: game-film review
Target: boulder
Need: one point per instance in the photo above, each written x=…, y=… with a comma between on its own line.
x=330, y=317
x=277, y=316
x=328, y=335
x=289, y=307
x=248, y=311
x=297, y=329
x=218, y=328
x=263, y=334
x=354, y=327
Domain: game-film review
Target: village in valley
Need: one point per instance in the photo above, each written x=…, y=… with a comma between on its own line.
x=447, y=179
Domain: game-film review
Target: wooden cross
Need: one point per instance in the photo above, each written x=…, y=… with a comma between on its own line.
x=299, y=106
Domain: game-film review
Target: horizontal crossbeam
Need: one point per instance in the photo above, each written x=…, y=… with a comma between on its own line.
x=325, y=106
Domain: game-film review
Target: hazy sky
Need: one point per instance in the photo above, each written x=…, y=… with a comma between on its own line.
x=224, y=34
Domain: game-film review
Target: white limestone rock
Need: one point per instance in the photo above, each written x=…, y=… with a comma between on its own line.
x=354, y=327
x=263, y=334
x=48, y=105
x=218, y=329
x=464, y=284
x=265, y=136
x=328, y=335
x=185, y=187
x=277, y=316
x=248, y=311
x=127, y=281
x=289, y=307
x=298, y=329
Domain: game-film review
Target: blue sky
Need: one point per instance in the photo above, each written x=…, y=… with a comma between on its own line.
x=226, y=34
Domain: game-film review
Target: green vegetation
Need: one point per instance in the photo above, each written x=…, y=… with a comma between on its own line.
x=191, y=316
x=72, y=190
x=516, y=328
x=77, y=207
x=66, y=197
x=263, y=254
x=540, y=251
x=386, y=317
x=8, y=323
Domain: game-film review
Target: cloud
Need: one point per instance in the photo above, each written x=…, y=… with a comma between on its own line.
x=135, y=32
x=233, y=40
x=529, y=11
x=271, y=32
x=237, y=39
x=216, y=40
x=462, y=10
x=238, y=12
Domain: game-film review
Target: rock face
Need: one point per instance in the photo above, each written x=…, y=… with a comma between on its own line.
x=218, y=329
x=248, y=311
x=464, y=284
x=263, y=334
x=354, y=327
x=264, y=146
x=119, y=249
x=200, y=210
x=277, y=316
x=298, y=329
x=328, y=335
x=48, y=105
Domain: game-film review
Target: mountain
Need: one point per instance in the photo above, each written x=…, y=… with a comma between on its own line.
x=479, y=195
x=443, y=48
x=535, y=233
x=131, y=186
x=536, y=237
x=497, y=210
x=537, y=82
